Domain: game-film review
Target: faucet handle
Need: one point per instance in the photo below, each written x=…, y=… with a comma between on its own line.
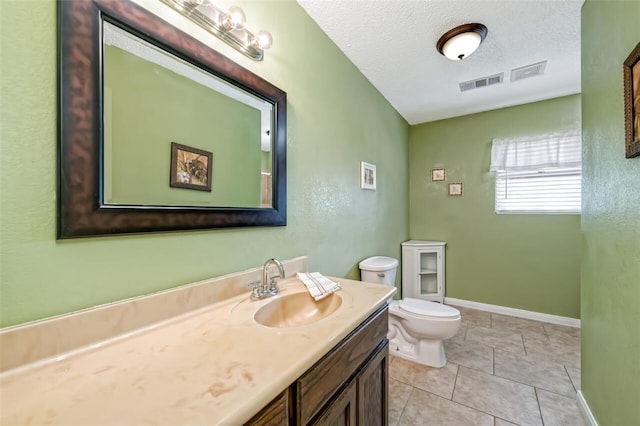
x=255, y=289
x=273, y=285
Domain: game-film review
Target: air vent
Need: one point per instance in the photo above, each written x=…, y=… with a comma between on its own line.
x=528, y=71
x=482, y=82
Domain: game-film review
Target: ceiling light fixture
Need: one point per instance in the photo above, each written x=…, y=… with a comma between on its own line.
x=460, y=42
x=227, y=26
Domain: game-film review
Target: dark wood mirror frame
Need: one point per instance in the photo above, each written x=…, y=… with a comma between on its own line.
x=631, y=70
x=80, y=211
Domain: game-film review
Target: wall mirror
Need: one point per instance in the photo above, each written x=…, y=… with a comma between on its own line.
x=158, y=132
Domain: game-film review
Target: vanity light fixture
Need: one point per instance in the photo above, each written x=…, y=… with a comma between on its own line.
x=227, y=26
x=460, y=42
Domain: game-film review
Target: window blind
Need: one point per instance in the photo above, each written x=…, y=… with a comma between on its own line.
x=541, y=174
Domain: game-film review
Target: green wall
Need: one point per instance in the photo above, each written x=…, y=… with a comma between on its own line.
x=610, y=220
x=520, y=261
x=152, y=106
x=335, y=120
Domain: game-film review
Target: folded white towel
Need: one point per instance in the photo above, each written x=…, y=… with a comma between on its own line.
x=318, y=285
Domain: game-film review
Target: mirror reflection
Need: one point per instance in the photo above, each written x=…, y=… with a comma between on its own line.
x=175, y=135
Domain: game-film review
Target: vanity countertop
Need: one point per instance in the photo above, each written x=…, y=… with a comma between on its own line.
x=215, y=365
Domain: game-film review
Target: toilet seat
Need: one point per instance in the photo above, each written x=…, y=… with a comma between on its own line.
x=426, y=308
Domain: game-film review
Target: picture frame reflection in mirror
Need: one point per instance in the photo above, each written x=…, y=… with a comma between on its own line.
x=191, y=168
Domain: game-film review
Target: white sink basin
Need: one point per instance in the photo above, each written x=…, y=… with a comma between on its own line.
x=296, y=309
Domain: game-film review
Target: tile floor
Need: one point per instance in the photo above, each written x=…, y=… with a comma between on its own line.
x=500, y=371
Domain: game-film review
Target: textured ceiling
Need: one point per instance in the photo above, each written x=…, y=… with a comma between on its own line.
x=393, y=42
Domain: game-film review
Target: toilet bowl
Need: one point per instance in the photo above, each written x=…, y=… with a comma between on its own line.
x=417, y=328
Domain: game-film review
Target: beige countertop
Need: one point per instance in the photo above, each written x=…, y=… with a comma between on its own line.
x=215, y=365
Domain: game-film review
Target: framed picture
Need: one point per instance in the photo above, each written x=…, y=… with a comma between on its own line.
x=631, y=69
x=438, y=175
x=190, y=168
x=367, y=176
x=455, y=189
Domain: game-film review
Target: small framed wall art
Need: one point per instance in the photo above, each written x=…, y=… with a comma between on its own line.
x=631, y=70
x=455, y=189
x=367, y=176
x=190, y=168
x=438, y=175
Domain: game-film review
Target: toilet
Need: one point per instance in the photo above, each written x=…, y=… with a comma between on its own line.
x=417, y=328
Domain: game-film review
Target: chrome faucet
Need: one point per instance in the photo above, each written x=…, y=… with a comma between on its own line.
x=269, y=285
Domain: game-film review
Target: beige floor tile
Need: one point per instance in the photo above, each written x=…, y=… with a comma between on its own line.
x=563, y=351
x=501, y=422
x=398, y=396
x=561, y=330
x=460, y=335
x=535, y=335
x=575, y=375
x=499, y=397
x=475, y=317
x=535, y=338
x=546, y=375
x=503, y=322
x=565, y=339
x=424, y=409
x=478, y=357
x=499, y=339
x=436, y=380
x=558, y=410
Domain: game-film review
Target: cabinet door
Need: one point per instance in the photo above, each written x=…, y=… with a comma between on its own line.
x=430, y=273
x=274, y=414
x=410, y=272
x=373, y=389
x=342, y=410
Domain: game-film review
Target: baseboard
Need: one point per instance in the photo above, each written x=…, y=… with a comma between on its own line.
x=521, y=313
x=586, y=411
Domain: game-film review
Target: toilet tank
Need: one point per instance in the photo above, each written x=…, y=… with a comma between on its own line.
x=379, y=270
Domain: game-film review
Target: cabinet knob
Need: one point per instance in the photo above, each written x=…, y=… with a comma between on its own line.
x=381, y=274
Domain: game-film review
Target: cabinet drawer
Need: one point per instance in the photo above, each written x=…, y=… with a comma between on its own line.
x=322, y=380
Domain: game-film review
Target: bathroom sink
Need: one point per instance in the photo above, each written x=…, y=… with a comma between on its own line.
x=296, y=309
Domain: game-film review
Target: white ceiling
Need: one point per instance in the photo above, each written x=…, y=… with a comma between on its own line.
x=392, y=42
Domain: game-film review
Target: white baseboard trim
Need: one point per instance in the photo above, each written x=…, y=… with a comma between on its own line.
x=586, y=411
x=521, y=313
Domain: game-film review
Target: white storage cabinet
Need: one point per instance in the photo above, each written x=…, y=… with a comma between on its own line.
x=423, y=270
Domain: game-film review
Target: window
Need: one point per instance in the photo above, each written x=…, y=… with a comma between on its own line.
x=540, y=174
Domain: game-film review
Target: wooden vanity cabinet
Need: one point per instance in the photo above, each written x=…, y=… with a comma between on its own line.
x=322, y=385
x=349, y=385
x=342, y=410
x=276, y=413
x=373, y=389
x=364, y=401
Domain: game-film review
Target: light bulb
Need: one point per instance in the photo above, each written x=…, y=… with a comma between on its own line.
x=461, y=46
x=234, y=18
x=263, y=40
